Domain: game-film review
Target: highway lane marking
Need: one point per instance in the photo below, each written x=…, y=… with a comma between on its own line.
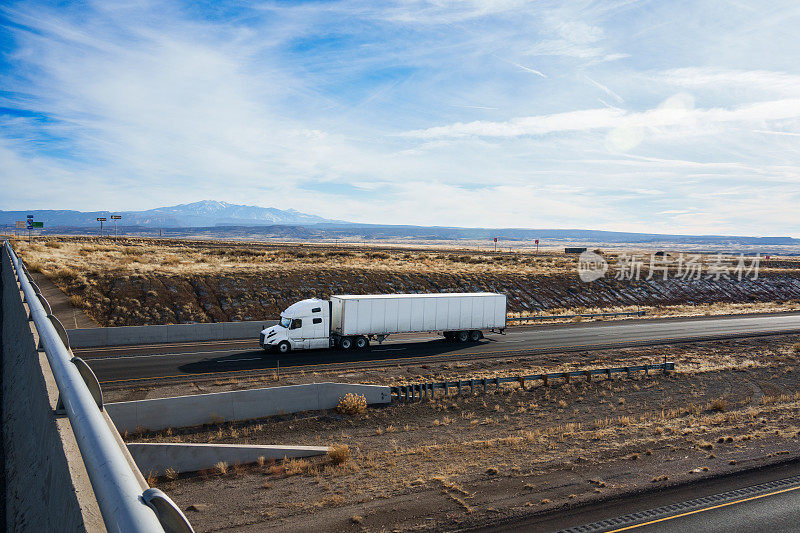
x=235, y=360
x=118, y=357
x=170, y=345
x=743, y=500
x=617, y=344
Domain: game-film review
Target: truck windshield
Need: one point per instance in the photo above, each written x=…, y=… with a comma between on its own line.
x=285, y=322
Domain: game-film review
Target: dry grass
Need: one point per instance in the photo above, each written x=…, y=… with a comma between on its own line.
x=221, y=467
x=339, y=454
x=352, y=404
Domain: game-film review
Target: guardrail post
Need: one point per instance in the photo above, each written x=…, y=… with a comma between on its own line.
x=484, y=385
x=459, y=387
x=628, y=371
x=497, y=380
x=472, y=386
x=544, y=380
x=608, y=373
x=446, y=392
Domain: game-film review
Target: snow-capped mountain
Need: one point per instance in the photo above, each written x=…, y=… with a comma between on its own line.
x=206, y=213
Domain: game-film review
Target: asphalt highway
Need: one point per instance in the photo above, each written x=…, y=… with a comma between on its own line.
x=759, y=499
x=168, y=361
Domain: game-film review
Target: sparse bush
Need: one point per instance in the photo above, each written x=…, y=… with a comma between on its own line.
x=221, y=467
x=292, y=467
x=795, y=346
x=339, y=454
x=720, y=404
x=171, y=474
x=53, y=244
x=352, y=404
x=76, y=301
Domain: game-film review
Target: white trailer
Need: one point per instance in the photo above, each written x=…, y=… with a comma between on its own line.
x=352, y=321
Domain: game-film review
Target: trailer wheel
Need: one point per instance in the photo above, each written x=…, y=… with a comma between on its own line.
x=284, y=347
x=475, y=335
x=462, y=336
x=361, y=342
x=345, y=343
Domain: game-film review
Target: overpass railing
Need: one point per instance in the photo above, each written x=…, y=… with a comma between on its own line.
x=125, y=502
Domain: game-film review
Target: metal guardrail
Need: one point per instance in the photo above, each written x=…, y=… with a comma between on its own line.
x=583, y=315
x=125, y=506
x=418, y=391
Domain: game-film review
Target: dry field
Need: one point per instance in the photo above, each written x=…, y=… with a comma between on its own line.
x=145, y=281
x=460, y=461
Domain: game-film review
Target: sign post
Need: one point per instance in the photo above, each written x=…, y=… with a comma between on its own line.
x=537, y=246
x=101, y=220
x=29, y=225
x=115, y=218
x=495, y=244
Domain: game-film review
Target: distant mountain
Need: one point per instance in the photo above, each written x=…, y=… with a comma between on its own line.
x=208, y=213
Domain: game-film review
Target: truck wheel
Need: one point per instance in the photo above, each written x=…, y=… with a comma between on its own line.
x=475, y=335
x=346, y=343
x=448, y=335
x=462, y=336
x=361, y=342
x=284, y=347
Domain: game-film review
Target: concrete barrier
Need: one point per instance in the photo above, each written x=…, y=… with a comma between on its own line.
x=155, y=458
x=46, y=484
x=120, y=336
x=184, y=411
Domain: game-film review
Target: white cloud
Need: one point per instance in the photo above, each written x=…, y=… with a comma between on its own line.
x=675, y=111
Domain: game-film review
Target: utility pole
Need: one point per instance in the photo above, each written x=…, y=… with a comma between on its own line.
x=101, y=220
x=115, y=218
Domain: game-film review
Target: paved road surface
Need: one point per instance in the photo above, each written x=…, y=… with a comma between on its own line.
x=768, y=500
x=122, y=363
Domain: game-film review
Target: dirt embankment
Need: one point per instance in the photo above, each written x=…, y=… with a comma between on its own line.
x=157, y=298
x=144, y=283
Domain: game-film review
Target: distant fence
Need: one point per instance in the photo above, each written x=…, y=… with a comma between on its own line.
x=120, y=336
x=419, y=391
x=533, y=318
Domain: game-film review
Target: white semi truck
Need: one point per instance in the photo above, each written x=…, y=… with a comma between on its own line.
x=352, y=321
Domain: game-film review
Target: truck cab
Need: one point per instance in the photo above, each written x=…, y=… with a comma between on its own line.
x=303, y=325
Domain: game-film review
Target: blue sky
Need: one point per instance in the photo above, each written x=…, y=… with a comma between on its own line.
x=676, y=117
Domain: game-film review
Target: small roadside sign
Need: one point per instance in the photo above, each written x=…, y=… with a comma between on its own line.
x=101, y=219
x=21, y=224
x=116, y=217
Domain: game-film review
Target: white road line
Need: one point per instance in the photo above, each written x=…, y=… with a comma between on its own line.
x=235, y=360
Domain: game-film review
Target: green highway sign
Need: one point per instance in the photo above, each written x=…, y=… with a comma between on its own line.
x=38, y=224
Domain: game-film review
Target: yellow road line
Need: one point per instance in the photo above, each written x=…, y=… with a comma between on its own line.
x=703, y=510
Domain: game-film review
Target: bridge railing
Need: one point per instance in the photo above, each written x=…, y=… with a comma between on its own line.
x=125, y=501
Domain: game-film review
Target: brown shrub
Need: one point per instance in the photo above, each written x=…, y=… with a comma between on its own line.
x=339, y=454
x=352, y=404
x=720, y=404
